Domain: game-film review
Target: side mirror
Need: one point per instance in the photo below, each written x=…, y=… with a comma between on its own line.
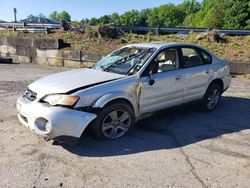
x=151, y=81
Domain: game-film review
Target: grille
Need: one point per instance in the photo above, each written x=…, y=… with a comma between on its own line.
x=30, y=95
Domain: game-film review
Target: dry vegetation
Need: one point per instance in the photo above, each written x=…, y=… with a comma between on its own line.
x=233, y=48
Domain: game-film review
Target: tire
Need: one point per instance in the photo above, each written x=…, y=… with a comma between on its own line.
x=211, y=98
x=113, y=121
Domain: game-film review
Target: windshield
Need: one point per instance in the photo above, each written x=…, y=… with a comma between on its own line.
x=127, y=60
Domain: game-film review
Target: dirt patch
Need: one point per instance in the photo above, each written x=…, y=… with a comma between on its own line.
x=13, y=86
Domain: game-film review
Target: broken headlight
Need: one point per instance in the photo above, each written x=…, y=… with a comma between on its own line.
x=60, y=99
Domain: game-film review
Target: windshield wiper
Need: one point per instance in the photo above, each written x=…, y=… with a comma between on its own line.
x=124, y=60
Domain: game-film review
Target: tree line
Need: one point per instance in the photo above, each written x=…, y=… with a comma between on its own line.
x=227, y=14
x=57, y=16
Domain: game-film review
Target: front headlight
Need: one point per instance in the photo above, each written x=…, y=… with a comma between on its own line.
x=61, y=99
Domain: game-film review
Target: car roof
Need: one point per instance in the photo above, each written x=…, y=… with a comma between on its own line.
x=156, y=45
x=159, y=45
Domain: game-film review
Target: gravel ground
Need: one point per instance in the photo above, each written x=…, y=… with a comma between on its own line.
x=175, y=148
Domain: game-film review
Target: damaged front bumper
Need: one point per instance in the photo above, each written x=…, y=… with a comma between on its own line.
x=57, y=123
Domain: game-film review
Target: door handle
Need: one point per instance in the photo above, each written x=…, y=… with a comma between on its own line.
x=207, y=71
x=178, y=77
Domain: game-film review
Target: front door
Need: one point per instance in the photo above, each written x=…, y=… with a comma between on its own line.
x=163, y=87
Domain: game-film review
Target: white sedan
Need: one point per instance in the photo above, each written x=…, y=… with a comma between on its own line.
x=122, y=88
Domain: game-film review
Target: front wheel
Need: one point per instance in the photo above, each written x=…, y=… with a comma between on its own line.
x=211, y=98
x=114, y=121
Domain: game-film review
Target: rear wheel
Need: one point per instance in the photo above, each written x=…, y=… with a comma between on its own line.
x=211, y=98
x=114, y=121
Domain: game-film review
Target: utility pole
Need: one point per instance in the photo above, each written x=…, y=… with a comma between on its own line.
x=15, y=14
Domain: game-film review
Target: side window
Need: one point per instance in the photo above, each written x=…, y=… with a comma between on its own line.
x=207, y=58
x=190, y=57
x=167, y=60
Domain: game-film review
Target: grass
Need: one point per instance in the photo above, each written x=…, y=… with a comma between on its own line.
x=233, y=48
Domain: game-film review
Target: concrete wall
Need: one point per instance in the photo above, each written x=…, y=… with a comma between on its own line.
x=240, y=68
x=45, y=52
x=52, y=52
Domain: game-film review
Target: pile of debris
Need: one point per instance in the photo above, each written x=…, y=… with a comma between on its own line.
x=211, y=36
x=109, y=31
x=102, y=31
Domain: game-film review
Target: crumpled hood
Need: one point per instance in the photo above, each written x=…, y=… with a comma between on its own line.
x=64, y=82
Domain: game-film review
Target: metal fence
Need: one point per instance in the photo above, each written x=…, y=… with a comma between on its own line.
x=30, y=25
x=159, y=30
x=40, y=27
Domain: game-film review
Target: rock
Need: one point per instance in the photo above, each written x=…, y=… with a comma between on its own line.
x=78, y=29
x=201, y=36
x=212, y=36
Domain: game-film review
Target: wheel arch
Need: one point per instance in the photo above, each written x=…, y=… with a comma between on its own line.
x=116, y=97
x=219, y=82
x=117, y=100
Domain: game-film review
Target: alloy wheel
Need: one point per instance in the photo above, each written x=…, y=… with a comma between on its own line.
x=116, y=124
x=213, y=98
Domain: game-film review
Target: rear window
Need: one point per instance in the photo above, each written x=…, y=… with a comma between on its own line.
x=190, y=58
x=207, y=57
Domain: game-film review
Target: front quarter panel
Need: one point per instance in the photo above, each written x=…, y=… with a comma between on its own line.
x=99, y=96
x=102, y=101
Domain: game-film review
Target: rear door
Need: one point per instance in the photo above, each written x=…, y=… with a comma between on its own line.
x=196, y=66
x=165, y=87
